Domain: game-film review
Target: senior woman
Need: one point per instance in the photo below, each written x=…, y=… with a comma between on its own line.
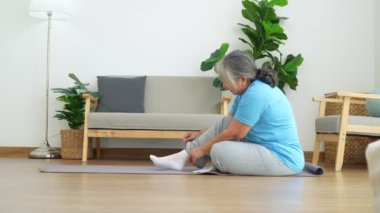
x=258, y=137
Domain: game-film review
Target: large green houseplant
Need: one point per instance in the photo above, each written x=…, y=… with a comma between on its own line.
x=264, y=36
x=73, y=113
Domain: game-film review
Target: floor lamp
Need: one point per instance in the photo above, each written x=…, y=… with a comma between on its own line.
x=50, y=10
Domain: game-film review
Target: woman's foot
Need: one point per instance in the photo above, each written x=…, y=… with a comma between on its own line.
x=175, y=161
x=201, y=162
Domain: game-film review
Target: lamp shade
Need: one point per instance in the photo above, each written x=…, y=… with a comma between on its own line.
x=60, y=9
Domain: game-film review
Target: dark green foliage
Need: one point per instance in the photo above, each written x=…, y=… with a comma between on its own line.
x=209, y=63
x=264, y=35
x=73, y=109
x=216, y=56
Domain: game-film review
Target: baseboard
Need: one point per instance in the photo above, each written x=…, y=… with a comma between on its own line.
x=17, y=152
x=106, y=153
x=120, y=153
x=309, y=156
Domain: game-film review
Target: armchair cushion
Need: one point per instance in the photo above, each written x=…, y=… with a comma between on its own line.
x=121, y=94
x=331, y=123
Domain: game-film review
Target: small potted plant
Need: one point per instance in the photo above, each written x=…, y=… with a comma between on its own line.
x=73, y=113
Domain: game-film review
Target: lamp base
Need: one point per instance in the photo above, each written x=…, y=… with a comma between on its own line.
x=45, y=152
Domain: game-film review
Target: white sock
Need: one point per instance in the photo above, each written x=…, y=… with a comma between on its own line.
x=175, y=161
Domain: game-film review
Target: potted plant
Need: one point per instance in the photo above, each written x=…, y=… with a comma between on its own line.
x=73, y=113
x=264, y=36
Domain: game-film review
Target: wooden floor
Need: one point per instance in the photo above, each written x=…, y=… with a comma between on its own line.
x=24, y=189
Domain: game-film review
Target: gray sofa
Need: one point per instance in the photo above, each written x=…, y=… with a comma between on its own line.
x=172, y=105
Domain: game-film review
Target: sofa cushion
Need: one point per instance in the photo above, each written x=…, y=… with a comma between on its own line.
x=331, y=123
x=181, y=94
x=121, y=94
x=151, y=121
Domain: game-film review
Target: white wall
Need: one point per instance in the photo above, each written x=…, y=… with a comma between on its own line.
x=170, y=37
x=336, y=39
x=377, y=43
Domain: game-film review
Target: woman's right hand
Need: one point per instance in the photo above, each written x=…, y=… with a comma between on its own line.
x=190, y=136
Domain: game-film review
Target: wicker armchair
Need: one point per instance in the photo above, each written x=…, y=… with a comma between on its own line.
x=348, y=122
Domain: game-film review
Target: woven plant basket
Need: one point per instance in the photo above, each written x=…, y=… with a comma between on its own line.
x=354, y=152
x=72, y=144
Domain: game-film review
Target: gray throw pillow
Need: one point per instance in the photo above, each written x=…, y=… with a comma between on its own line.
x=121, y=94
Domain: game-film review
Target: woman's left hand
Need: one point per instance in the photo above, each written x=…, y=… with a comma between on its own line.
x=195, y=154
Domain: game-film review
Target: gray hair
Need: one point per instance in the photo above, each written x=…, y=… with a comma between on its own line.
x=238, y=64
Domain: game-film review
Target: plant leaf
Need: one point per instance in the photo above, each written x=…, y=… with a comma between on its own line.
x=75, y=78
x=271, y=28
x=250, y=11
x=253, y=37
x=266, y=65
x=270, y=45
x=280, y=3
x=63, y=98
x=245, y=41
x=216, y=56
x=281, y=36
x=218, y=84
x=287, y=73
x=267, y=13
x=292, y=63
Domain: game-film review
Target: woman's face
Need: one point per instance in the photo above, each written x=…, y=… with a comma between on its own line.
x=241, y=84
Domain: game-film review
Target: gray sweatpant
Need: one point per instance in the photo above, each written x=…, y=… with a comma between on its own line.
x=242, y=158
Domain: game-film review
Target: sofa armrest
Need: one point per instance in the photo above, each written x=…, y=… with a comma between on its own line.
x=89, y=99
x=354, y=95
x=224, y=105
x=92, y=99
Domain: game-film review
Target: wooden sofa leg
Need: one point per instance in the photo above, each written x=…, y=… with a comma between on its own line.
x=98, y=148
x=340, y=152
x=317, y=145
x=85, y=148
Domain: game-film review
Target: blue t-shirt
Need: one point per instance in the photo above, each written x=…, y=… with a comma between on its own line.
x=269, y=114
